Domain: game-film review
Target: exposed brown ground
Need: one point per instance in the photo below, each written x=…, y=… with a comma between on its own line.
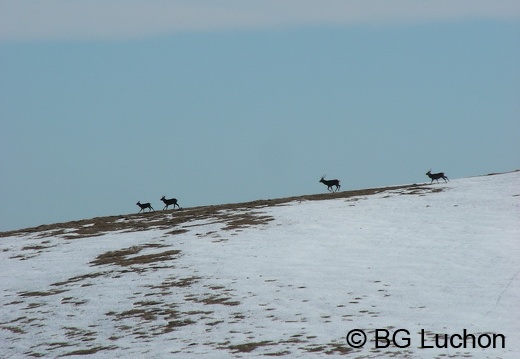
x=161, y=308
x=229, y=213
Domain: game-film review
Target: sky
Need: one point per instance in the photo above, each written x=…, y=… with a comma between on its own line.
x=106, y=103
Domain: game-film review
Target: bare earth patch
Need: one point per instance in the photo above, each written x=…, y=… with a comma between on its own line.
x=234, y=215
x=178, y=301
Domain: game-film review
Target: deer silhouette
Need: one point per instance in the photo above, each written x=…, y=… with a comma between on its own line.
x=145, y=206
x=330, y=183
x=170, y=201
x=436, y=176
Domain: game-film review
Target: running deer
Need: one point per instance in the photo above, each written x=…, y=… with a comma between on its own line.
x=170, y=201
x=330, y=183
x=436, y=176
x=144, y=206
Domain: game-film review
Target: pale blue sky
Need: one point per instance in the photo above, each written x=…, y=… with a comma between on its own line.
x=231, y=101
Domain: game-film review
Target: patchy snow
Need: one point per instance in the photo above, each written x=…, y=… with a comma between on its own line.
x=287, y=280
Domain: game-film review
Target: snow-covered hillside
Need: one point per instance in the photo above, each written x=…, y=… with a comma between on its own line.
x=276, y=278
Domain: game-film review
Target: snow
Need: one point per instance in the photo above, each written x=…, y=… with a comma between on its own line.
x=290, y=280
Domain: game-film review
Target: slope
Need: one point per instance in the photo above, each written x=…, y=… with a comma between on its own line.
x=286, y=277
